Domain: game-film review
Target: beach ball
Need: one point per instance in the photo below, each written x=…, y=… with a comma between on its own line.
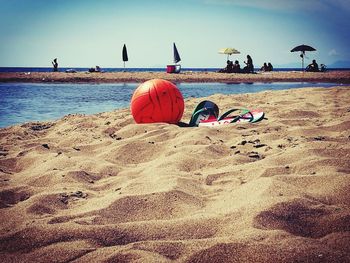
x=157, y=100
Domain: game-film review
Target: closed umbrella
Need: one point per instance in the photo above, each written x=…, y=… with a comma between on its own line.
x=125, y=55
x=176, y=55
x=229, y=51
x=302, y=49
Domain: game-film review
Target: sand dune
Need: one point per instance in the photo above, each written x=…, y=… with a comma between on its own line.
x=100, y=188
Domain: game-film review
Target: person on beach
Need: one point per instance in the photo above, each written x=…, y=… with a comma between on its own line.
x=236, y=67
x=55, y=65
x=249, y=68
x=228, y=68
x=95, y=69
x=269, y=67
x=313, y=67
x=264, y=67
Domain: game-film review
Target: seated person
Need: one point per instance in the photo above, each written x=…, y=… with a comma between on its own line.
x=236, y=67
x=228, y=68
x=95, y=69
x=264, y=67
x=313, y=67
x=269, y=67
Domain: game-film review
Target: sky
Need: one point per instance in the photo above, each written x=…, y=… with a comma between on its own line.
x=86, y=33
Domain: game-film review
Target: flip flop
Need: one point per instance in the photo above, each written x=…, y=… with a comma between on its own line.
x=207, y=114
x=205, y=110
x=244, y=116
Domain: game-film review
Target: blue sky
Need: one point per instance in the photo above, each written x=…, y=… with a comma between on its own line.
x=85, y=33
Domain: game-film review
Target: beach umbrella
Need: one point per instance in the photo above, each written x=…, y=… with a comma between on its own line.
x=176, y=55
x=302, y=49
x=125, y=55
x=229, y=51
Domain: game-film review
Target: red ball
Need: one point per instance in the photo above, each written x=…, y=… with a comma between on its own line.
x=157, y=100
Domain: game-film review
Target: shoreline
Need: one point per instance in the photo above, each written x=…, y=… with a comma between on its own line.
x=339, y=77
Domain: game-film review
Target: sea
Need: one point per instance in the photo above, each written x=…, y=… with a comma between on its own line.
x=30, y=102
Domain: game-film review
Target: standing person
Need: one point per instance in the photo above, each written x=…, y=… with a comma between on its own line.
x=55, y=64
x=250, y=67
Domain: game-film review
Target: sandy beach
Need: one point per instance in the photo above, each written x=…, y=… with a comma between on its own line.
x=100, y=188
x=81, y=181
x=184, y=76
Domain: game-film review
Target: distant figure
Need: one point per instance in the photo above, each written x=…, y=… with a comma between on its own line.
x=264, y=67
x=95, y=69
x=55, y=64
x=236, y=67
x=249, y=68
x=313, y=67
x=228, y=68
x=269, y=67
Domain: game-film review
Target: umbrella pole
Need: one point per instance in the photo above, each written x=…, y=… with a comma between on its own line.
x=302, y=64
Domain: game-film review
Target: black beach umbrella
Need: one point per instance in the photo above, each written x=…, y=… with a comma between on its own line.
x=302, y=49
x=176, y=55
x=125, y=55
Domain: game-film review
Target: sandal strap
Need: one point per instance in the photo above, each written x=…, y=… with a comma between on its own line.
x=205, y=106
x=196, y=114
x=236, y=118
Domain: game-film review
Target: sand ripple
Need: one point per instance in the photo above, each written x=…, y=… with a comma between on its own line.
x=100, y=188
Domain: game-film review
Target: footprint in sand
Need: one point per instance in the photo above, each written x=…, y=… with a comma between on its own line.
x=10, y=197
x=305, y=218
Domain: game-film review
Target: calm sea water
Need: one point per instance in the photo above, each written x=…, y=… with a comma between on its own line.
x=24, y=102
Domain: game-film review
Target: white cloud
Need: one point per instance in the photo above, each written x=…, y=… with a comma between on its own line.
x=332, y=53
